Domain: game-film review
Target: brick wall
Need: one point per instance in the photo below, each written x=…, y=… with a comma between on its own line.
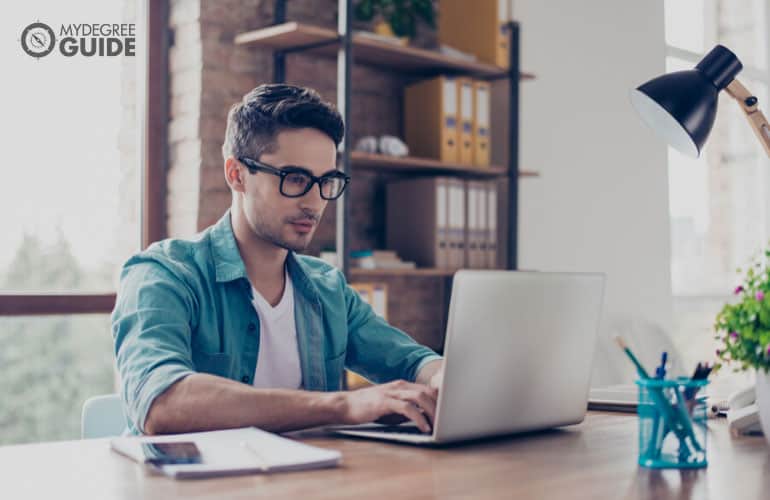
x=209, y=73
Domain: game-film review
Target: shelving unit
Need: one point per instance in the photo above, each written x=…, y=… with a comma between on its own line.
x=290, y=37
x=428, y=166
x=295, y=37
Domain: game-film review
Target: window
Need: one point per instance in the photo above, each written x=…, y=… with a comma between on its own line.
x=720, y=216
x=72, y=207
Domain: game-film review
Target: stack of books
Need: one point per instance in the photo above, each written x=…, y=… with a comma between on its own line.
x=379, y=259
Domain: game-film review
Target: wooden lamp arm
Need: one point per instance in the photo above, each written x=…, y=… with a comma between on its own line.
x=749, y=105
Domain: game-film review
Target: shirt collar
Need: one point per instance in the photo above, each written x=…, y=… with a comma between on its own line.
x=227, y=258
x=229, y=263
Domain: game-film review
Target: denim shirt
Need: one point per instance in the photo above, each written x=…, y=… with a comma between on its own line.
x=185, y=306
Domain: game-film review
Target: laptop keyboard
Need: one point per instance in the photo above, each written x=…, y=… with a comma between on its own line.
x=401, y=429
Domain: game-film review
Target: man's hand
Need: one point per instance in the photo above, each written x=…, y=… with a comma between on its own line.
x=416, y=402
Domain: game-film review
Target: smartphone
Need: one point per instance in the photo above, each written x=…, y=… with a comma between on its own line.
x=183, y=452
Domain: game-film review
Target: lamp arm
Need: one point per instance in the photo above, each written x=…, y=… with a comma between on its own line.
x=749, y=105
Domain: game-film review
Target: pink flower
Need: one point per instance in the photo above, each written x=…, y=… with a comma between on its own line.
x=734, y=335
x=768, y=349
x=760, y=296
x=738, y=290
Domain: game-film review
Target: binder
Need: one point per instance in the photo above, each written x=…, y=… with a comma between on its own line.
x=374, y=294
x=483, y=225
x=417, y=220
x=456, y=224
x=430, y=118
x=465, y=97
x=479, y=27
x=492, y=225
x=380, y=299
x=475, y=233
x=471, y=227
x=481, y=120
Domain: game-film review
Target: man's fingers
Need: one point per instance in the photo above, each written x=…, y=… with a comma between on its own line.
x=423, y=399
x=411, y=412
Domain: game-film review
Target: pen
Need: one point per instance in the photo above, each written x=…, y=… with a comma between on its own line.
x=660, y=372
x=639, y=367
x=264, y=464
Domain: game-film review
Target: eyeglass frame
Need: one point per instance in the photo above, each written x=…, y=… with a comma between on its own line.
x=255, y=165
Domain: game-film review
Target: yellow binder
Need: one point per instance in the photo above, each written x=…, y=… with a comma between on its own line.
x=479, y=27
x=430, y=118
x=481, y=119
x=465, y=123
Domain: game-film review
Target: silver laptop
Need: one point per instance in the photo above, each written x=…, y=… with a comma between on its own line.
x=518, y=355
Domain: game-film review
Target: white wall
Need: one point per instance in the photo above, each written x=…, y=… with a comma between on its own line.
x=601, y=203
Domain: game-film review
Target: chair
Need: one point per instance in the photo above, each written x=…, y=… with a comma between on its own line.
x=102, y=416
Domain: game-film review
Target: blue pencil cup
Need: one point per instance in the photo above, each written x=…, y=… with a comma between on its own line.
x=672, y=423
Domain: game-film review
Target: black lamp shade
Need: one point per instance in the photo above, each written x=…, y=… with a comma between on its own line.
x=682, y=106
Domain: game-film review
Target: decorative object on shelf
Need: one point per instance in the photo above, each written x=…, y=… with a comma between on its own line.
x=387, y=145
x=392, y=146
x=367, y=144
x=378, y=36
x=379, y=259
x=398, y=17
x=743, y=328
x=682, y=106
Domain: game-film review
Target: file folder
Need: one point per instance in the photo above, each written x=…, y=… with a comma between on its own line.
x=417, y=221
x=483, y=226
x=430, y=118
x=481, y=120
x=492, y=225
x=456, y=224
x=479, y=27
x=465, y=123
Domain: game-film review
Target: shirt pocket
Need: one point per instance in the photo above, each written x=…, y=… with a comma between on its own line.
x=334, y=368
x=213, y=363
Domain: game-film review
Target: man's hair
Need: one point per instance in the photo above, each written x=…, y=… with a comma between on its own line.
x=254, y=123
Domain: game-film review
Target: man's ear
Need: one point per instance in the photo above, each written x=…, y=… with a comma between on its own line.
x=234, y=175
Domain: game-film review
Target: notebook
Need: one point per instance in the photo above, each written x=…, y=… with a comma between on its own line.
x=234, y=451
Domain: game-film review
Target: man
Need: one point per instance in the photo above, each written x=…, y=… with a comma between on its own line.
x=234, y=328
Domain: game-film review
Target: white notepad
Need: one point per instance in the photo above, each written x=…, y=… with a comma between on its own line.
x=234, y=451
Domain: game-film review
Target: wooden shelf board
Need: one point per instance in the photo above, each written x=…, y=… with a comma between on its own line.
x=361, y=273
x=427, y=165
x=293, y=35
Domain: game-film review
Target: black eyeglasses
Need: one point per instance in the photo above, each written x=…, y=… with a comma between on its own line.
x=297, y=181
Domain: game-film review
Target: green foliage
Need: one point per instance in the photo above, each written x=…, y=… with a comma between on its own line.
x=744, y=326
x=402, y=15
x=50, y=365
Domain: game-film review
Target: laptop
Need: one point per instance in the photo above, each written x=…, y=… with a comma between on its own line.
x=517, y=358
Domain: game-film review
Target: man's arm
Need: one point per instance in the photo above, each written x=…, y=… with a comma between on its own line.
x=152, y=326
x=205, y=402
x=431, y=374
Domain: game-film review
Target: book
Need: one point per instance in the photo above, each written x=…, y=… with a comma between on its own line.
x=229, y=452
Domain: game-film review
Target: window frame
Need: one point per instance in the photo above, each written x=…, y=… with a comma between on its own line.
x=153, y=143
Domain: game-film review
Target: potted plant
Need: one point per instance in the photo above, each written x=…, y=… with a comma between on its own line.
x=396, y=18
x=744, y=331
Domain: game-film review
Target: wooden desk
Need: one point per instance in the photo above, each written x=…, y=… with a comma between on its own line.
x=594, y=460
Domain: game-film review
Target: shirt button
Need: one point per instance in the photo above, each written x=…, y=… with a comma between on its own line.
x=245, y=379
x=252, y=327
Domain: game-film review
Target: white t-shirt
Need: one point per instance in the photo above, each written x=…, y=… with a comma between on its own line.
x=278, y=365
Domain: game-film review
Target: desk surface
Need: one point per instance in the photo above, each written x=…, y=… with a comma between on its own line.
x=596, y=459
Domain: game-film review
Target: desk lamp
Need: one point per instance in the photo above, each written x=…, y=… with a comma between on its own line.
x=681, y=106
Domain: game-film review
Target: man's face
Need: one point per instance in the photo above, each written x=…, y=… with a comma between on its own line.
x=289, y=223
